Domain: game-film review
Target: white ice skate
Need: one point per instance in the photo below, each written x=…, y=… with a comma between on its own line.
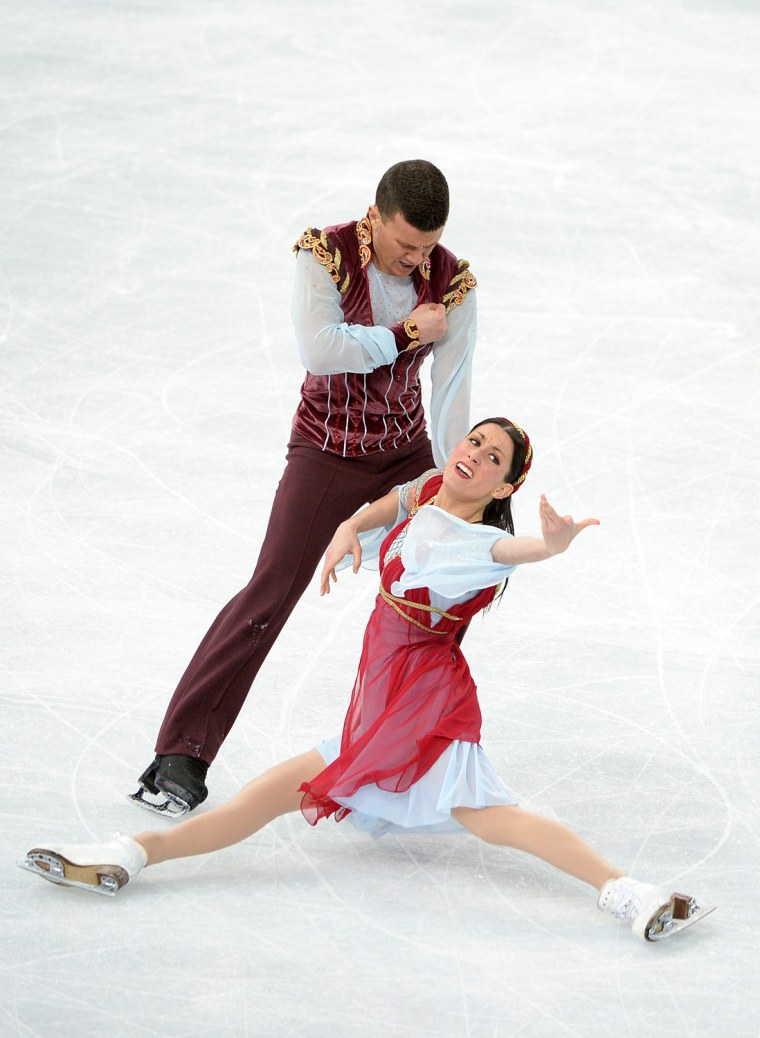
x=652, y=913
x=102, y=868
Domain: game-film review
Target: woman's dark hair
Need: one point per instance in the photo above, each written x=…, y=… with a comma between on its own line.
x=418, y=190
x=498, y=512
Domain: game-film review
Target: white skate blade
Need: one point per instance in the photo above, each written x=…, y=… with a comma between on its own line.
x=682, y=911
x=163, y=804
x=98, y=879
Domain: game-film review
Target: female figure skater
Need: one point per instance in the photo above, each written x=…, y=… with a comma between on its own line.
x=409, y=757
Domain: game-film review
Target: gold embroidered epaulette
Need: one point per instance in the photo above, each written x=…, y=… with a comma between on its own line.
x=364, y=237
x=459, y=286
x=319, y=246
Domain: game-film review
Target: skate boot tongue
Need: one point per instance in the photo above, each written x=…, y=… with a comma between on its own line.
x=636, y=903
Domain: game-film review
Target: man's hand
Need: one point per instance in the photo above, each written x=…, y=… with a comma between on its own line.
x=430, y=319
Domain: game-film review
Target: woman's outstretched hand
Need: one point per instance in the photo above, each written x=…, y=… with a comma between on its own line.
x=559, y=531
x=345, y=542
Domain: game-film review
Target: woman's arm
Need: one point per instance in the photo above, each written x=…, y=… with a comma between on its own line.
x=346, y=540
x=558, y=532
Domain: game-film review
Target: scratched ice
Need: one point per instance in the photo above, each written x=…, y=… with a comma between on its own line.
x=158, y=161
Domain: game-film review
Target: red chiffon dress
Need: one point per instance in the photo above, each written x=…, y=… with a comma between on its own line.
x=409, y=751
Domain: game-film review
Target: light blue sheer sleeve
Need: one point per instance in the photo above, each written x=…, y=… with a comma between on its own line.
x=449, y=556
x=327, y=344
x=451, y=377
x=372, y=540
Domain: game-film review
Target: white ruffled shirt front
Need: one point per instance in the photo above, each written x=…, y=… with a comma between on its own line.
x=328, y=345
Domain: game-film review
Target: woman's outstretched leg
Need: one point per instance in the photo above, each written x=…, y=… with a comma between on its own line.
x=260, y=801
x=106, y=867
x=652, y=912
x=551, y=841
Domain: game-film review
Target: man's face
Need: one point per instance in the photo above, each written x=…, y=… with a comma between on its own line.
x=397, y=247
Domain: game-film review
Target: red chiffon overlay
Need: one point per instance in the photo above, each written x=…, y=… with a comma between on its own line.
x=412, y=697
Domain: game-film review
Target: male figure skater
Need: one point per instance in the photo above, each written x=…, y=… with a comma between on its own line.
x=372, y=299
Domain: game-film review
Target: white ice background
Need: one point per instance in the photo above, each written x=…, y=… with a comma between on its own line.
x=157, y=162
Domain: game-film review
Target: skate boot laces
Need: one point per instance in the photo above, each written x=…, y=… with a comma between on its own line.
x=627, y=904
x=626, y=898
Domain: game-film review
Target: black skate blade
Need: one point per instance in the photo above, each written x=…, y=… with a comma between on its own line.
x=53, y=871
x=164, y=804
x=666, y=925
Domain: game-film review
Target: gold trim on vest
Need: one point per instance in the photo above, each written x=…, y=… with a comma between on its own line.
x=460, y=285
x=318, y=247
x=364, y=234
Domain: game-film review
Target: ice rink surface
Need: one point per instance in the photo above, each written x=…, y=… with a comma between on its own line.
x=158, y=162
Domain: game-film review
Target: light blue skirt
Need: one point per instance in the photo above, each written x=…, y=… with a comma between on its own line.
x=461, y=777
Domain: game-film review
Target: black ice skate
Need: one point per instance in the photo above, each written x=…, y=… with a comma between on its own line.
x=172, y=785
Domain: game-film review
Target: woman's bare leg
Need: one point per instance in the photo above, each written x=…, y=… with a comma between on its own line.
x=272, y=794
x=551, y=841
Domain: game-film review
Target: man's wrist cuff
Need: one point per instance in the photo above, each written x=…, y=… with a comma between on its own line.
x=407, y=335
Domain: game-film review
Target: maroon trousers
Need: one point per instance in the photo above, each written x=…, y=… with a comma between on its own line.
x=317, y=492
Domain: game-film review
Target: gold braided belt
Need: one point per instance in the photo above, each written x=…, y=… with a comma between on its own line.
x=396, y=603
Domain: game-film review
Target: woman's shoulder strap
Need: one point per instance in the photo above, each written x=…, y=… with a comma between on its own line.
x=428, y=485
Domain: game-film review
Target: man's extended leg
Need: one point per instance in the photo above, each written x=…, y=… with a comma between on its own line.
x=310, y=501
x=316, y=493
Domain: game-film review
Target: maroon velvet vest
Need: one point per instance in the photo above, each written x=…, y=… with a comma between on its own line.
x=352, y=413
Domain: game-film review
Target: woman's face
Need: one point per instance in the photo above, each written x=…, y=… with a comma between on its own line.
x=478, y=466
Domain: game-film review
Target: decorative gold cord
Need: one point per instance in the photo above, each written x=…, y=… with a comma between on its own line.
x=393, y=603
x=364, y=234
x=412, y=333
